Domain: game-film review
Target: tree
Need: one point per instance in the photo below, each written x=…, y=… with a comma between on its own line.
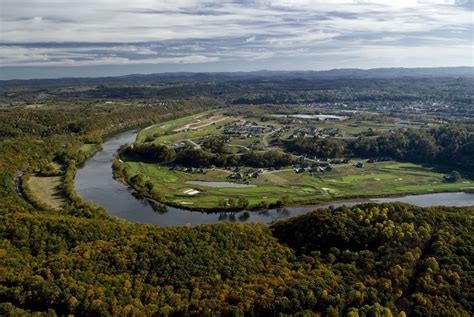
x=454, y=177
x=243, y=202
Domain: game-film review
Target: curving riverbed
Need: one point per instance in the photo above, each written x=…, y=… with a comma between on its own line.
x=94, y=182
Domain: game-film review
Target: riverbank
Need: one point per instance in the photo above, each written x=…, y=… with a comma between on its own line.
x=190, y=190
x=181, y=163
x=94, y=182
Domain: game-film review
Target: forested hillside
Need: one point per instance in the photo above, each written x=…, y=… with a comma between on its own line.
x=450, y=145
x=31, y=138
x=368, y=260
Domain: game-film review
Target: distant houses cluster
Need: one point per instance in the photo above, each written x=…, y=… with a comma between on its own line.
x=191, y=170
x=312, y=169
x=238, y=173
x=379, y=159
x=247, y=129
x=310, y=132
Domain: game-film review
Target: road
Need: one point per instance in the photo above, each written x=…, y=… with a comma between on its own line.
x=17, y=185
x=193, y=126
x=265, y=136
x=194, y=144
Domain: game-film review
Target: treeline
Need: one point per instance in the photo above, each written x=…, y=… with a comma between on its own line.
x=450, y=145
x=156, y=153
x=410, y=258
x=441, y=95
x=92, y=120
x=30, y=139
x=370, y=260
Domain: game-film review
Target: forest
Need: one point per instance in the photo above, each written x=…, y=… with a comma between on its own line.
x=156, y=153
x=366, y=260
x=449, y=145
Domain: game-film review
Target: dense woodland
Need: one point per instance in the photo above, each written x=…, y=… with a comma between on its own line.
x=367, y=260
x=449, y=145
x=156, y=153
x=32, y=138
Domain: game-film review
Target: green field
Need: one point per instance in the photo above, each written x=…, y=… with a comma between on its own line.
x=161, y=129
x=344, y=181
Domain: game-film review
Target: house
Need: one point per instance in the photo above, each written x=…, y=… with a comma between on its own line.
x=237, y=175
x=299, y=170
x=177, y=146
x=252, y=174
x=244, y=130
x=379, y=159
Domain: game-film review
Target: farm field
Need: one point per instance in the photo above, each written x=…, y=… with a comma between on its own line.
x=47, y=190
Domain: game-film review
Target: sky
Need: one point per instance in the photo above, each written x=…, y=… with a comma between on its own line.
x=62, y=38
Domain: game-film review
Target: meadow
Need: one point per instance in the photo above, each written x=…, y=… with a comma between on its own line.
x=345, y=181
x=48, y=190
x=276, y=187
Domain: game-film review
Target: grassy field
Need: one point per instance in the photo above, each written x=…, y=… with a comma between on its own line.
x=160, y=129
x=174, y=131
x=47, y=190
x=345, y=181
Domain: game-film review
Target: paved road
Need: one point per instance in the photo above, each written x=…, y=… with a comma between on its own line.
x=194, y=144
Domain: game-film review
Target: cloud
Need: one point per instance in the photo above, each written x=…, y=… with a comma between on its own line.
x=283, y=33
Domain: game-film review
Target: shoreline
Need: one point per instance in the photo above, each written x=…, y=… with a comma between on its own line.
x=155, y=205
x=357, y=199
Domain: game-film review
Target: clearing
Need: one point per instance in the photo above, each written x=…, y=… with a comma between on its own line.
x=47, y=190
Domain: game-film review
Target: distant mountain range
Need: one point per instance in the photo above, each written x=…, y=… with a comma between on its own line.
x=260, y=75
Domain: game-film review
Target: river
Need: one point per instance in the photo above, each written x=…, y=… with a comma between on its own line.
x=94, y=182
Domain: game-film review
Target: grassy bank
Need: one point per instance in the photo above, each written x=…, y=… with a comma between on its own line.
x=272, y=187
x=285, y=186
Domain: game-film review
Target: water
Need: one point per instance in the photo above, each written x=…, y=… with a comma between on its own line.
x=94, y=182
x=440, y=199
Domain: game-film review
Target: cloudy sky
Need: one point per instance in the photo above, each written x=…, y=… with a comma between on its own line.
x=57, y=38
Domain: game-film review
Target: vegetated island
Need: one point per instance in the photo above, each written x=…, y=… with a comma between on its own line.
x=261, y=157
